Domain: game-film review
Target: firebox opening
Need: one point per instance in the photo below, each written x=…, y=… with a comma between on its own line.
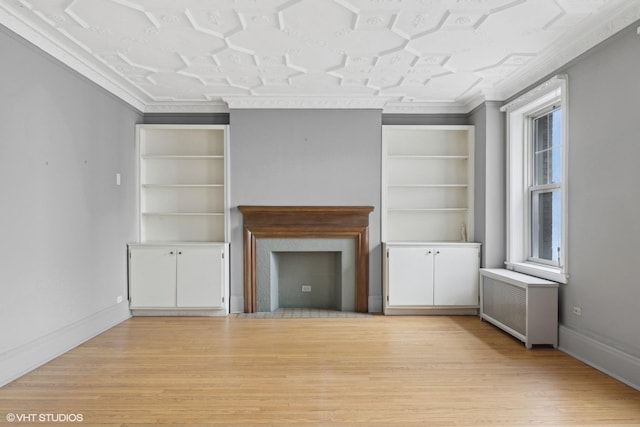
x=308, y=279
x=285, y=265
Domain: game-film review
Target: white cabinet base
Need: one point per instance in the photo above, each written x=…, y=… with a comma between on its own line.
x=181, y=312
x=430, y=311
x=431, y=278
x=179, y=279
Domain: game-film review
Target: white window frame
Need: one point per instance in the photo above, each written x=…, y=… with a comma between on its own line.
x=519, y=175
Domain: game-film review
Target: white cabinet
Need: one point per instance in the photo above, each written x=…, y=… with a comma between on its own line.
x=427, y=191
x=179, y=277
x=430, y=266
x=152, y=277
x=410, y=270
x=456, y=275
x=431, y=278
x=180, y=264
x=201, y=277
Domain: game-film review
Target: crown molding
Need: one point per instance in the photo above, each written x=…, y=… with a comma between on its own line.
x=315, y=103
x=573, y=45
x=457, y=107
x=304, y=102
x=50, y=46
x=548, y=86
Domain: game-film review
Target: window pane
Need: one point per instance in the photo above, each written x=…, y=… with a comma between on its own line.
x=547, y=132
x=546, y=225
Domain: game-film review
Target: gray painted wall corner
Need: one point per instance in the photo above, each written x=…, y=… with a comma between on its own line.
x=490, y=179
x=65, y=222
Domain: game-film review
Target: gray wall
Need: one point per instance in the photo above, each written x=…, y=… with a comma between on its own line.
x=305, y=157
x=425, y=119
x=489, y=183
x=604, y=199
x=186, y=119
x=603, y=227
x=64, y=222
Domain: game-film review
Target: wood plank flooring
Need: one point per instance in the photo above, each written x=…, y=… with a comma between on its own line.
x=373, y=371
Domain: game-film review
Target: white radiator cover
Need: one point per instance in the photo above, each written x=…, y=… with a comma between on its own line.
x=522, y=305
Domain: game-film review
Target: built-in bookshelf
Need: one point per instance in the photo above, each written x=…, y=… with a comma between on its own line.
x=182, y=183
x=427, y=183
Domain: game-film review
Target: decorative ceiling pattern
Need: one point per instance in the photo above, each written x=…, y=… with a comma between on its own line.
x=203, y=54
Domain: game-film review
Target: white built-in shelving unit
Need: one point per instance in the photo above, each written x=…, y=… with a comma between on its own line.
x=427, y=183
x=180, y=265
x=182, y=183
x=431, y=263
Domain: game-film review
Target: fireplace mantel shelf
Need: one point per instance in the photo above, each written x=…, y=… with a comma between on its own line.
x=305, y=209
x=306, y=222
x=336, y=217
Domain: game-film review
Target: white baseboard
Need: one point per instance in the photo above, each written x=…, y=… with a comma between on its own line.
x=430, y=311
x=375, y=304
x=21, y=360
x=620, y=365
x=181, y=312
x=237, y=304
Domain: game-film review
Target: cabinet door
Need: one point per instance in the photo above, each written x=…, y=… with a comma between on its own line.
x=456, y=276
x=152, y=277
x=200, y=277
x=410, y=276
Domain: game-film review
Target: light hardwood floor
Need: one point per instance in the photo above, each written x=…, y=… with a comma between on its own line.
x=374, y=371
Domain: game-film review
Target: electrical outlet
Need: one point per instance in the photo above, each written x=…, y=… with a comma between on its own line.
x=306, y=288
x=119, y=299
x=577, y=310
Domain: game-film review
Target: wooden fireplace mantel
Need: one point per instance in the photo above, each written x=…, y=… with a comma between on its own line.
x=306, y=222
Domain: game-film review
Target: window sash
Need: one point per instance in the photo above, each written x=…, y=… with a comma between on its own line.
x=546, y=226
x=544, y=234
x=546, y=145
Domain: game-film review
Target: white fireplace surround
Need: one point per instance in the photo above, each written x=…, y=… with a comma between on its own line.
x=267, y=277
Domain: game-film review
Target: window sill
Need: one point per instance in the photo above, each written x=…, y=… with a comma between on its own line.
x=537, y=270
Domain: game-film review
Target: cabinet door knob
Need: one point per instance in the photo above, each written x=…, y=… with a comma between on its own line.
x=428, y=252
x=180, y=253
x=437, y=252
x=171, y=253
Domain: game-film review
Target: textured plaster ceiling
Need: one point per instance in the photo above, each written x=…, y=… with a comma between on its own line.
x=403, y=55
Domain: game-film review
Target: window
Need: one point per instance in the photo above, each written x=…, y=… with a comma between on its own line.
x=545, y=190
x=536, y=180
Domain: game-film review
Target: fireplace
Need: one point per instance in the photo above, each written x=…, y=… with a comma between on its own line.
x=308, y=222
x=325, y=266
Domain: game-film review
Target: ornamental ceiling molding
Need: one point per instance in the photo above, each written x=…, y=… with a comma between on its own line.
x=304, y=102
x=581, y=42
x=581, y=39
x=543, y=88
x=51, y=46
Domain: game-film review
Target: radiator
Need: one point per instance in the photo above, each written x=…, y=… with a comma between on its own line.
x=522, y=305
